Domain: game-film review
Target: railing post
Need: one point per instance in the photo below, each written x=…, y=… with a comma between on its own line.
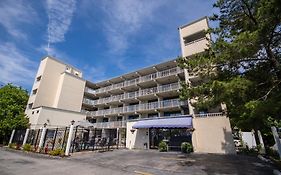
x=262, y=151
x=25, y=137
x=117, y=137
x=41, y=142
x=277, y=140
x=12, y=136
x=68, y=145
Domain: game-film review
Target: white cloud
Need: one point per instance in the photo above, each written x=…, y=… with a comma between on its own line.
x=95, y=73
x=60, y=14
x=14, y=14
x=15, y=66
x=125, y=18
x=52, y=51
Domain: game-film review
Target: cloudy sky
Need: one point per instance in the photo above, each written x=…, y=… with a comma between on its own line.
x=103, y=38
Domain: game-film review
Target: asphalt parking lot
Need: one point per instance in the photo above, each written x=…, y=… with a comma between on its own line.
x=143, y=162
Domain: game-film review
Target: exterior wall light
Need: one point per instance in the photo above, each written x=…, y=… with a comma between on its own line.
x=72, y=122
x=132, y=131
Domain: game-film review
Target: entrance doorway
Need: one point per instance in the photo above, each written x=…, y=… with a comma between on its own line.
x=173, y=137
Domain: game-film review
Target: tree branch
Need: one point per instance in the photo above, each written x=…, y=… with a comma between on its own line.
x=250, y=15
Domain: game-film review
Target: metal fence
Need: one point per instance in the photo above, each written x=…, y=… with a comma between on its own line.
x=18, y=137
x=82, y=139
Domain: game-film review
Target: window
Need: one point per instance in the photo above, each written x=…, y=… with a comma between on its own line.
x=67, y=69
x=194, y=37
x=34, y=91
x=38, y=78
x=132, y=117
x=152, y=115
x=93, y=120
x=105, y=120
x=30, y=105
x=37, y=111
x=32, y=112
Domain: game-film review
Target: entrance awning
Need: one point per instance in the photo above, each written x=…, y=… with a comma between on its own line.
x=179, y=122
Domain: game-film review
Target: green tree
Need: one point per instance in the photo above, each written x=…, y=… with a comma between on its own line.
x=241, y=67
x=13, y=101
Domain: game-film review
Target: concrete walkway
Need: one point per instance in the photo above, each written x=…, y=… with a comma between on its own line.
x=130, y=162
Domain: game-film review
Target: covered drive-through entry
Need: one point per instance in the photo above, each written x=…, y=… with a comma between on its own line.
x=149, y=133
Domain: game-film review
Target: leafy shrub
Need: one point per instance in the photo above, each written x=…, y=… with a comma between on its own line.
x=186, y=147
x=163, y=147
x=247, y=151
x=57, y=152
x=27, y=147
x=12, y=145
x=272, y=153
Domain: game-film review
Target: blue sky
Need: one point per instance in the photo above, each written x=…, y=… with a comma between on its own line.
x=102, y=38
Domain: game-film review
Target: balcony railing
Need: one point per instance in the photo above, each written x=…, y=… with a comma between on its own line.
x=130, y=95
x=138, y=107
x=219, y=114
x=89, y=102
x=135, y=81
x=112, y=124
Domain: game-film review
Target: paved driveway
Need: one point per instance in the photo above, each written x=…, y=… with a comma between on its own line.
x=130, y=162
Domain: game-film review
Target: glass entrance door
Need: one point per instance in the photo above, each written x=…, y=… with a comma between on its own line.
x=173, y=137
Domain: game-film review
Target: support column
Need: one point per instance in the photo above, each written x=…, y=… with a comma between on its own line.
x=118, y=137
x=262, y=151
x=42, y=137
x=68, y=144
x=25, y=137
x=187, y=81
x=12, y=136
x=277, y=140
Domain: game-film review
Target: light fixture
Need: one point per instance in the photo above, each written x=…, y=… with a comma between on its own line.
x=72, y=122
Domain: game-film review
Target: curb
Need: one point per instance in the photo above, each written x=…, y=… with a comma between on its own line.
x=31, y=154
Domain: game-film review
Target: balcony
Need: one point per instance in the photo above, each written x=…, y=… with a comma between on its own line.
x=89, y=102
x=113, y=124
x=139, y=108
x=141, y=93
x=134, y=82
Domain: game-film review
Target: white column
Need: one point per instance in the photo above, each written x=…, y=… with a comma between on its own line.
x=277, y=140
x=42, y=137
x=262, y=151
x=187, y=81
x=12, y=136
x=68, y=145
x=25, y=137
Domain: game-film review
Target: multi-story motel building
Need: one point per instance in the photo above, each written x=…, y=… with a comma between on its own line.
x=140, y=107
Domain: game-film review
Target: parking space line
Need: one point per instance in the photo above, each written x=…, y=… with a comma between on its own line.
x=180, y=159
x=142, y=173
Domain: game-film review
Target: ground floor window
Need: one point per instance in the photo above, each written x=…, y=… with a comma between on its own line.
x=173, y=137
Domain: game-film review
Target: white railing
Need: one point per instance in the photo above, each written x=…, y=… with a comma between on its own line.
x=135, y=81
x=148, y=91
x=135, y=94
x=138, y=107
x=148, y=77
x=112, y=124
x=89, y=102
x=219, y=114
x=89, y=90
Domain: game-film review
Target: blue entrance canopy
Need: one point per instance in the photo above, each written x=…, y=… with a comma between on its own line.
x=178, y=122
